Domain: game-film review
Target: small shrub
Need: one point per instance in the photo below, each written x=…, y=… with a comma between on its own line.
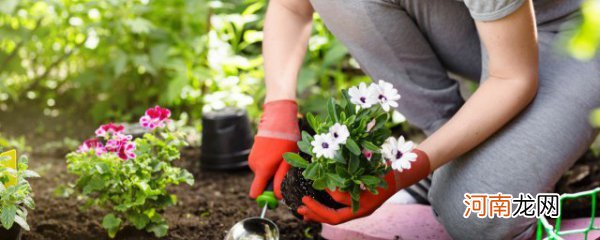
x=15, y=192
x=129, y=178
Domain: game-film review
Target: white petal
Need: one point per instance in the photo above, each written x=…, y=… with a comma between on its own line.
x=385, y=106
x=407, y=147
x=405, y=164
x=400, y=142
x=397, y=165
x=409, y=157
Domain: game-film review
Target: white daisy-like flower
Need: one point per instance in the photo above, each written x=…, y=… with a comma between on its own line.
x=385, y=94
x=340, y=133
x=399, y=153
x=324, y=145
x=362, y=96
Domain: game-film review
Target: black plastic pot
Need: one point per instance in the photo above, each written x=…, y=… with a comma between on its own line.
x=226, y=139
x=295, y=186
x=14, y=233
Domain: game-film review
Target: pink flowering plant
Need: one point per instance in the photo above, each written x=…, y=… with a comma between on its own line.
x=351, y=149
x=129, y=177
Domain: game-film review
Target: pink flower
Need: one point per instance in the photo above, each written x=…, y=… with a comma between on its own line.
x=92, y=144
x=155, y=117
x=117, y=141
x=126, y=151
x=111, y=128
x=368, y=154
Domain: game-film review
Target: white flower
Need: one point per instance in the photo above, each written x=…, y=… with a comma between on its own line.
x=324, y=145
x=340, y=133
x=397, y=117
x=385, y=94
x=362, y=96
x=399, y=153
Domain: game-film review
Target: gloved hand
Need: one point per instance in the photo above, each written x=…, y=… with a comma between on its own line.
x=278, y=133
x=396, y=180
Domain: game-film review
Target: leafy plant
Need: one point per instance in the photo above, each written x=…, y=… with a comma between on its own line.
x=585, y=42
x=129, y=177
x=15, y=199
x=346, y=151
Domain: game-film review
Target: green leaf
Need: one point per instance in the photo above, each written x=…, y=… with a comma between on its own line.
x=306, y=137
x=29, y=174
x=331, y=111
x=339, y=157
x=187, y=177
x=595, y=118
x=95, y=183
x=370, y=146
x=319, y=184
x=159, y=230
x=380, y=121
x=305, y=147
x=370, y=180
x=355, y=196
x=112, y=224
x=306, y=78
x=138, y=220
x=350, y=120
x=342, y=172
x=111, y=221
x=353, y=164
x=22, y=222
x=336, y=179
x=28, y=202
x=311, y=171
x=295, y=160
x=174, y=88
x=7, y=217
x=312, y=122
x=352, y=146
x=335, y=54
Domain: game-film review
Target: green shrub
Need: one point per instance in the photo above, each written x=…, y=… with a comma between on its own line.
x=15, y=199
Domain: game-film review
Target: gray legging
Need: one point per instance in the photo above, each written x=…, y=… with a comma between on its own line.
x=413, y=44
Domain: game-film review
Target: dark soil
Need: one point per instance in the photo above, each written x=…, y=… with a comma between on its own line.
x=583, y=176
x=205, y=211
x=295, y=186
x=14, y=233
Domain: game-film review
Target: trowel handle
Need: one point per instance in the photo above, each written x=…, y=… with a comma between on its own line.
x=268, y=197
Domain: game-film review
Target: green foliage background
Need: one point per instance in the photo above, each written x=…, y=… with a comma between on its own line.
x=111, y=59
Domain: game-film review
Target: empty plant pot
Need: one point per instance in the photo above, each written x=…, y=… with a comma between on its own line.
x=295, y=186
x=226, y=139
x=14, y=233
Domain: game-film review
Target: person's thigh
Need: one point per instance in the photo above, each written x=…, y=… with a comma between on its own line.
x=451, y=32
x=529, y=154
x=388, y=44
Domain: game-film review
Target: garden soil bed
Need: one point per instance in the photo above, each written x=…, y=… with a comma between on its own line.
x=205, y=211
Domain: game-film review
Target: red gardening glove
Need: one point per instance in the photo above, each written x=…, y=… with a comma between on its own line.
x=278, y=133
x=396, y=180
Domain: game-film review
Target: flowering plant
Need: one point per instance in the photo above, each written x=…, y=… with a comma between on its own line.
x=351, y=149
x=15, y=198
x=129, y=176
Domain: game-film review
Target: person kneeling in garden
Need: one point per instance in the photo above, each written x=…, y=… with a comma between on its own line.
x=519, y=132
